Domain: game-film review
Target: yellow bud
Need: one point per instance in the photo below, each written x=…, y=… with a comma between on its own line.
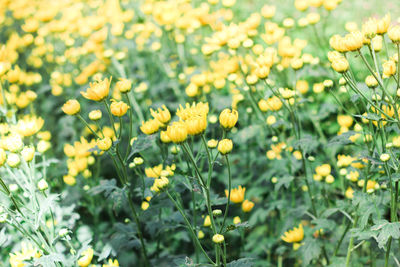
x=71, y=107
x=218, y=238
x=104, y=144
x=228, y=118
x=225, y=146
x=95, y=115
x=119, y=109
x=177, y=132
x=123, y=85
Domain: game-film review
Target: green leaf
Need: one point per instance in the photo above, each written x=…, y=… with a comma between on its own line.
x=284, y=181
x=244, y=262
x=386, y=230
x=142, y=143
x=308, y=144
x=325, y=224
x=342, y=139
x=310, y=250
x=242, y=136
x=106, y=251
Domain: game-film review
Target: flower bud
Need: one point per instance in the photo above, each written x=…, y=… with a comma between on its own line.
x=104, y=144
x=123, y=85
x=247, y=205
x=63, y=232
x=177, y=132
x=371, y=82
x=71, y=107
x=225, y=146
x=119, y=109
x=95, y=115
x=42, y=185
x=13, y=160
x=340, y=65
x=394, y=34
x=218, y=238
x=217, y=212
x=228, y=118
x=236, y=220
x=385, y=157
x=28, y=153
x=212, y=143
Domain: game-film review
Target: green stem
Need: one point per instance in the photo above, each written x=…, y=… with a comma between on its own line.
x=229, y=192
x=139, y=231
x=189, y=226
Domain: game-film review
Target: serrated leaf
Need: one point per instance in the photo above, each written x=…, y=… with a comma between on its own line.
x=49, y=260
x=142, y=143
x=106, y=251
x=242, y=136
x=310, y=250
x=285, y=181
x=342, y=139
x=386, y=230
x=244, y=262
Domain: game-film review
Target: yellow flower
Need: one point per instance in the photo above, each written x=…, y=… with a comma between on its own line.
x=28, y=153
x=225, y=146
x=28, y=252
x=212, y=143
x=71, y=107
x=119, y=109
x=153, y=172
x=237, y=194
x=200, y=234
x=42, y=185
x=384, y=157
x=29, y=125
x=345, y=120
x=104, y=144
x=371, y=82
x=123, y=85
x=86, y=258
x=177, y=132
x=196, y=124
x=394, y=34
x=145, y=205
x=150, y=127
x=294, y=236
x=207, y=221
x=349, y=193
x=302, y=86
x=228, y=118
x=236, y=220
x=13, y=160
x=340, y=65
x=344, y=161
x=323, y=170
x=95, y=115
x=69, y=180
x=98, y=90
x=164, y=137
x=383, y=24
x=389, y=68
x=111, y=263
x=218, y=238
x=162, y=114
x=247, y=205
x=159, y=184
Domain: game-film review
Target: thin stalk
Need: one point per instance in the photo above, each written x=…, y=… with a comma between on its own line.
x=229, y=192
x=139, y=231
x=194, y=236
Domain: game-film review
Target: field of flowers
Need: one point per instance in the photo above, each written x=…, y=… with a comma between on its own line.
x=231, y=133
